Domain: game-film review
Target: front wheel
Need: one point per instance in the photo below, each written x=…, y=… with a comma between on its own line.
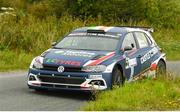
x=117, y=77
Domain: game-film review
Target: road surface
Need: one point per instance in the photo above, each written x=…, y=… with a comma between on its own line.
x=14, y=94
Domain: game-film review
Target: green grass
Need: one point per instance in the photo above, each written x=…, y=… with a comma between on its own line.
x=11, y=60
x=161, y=94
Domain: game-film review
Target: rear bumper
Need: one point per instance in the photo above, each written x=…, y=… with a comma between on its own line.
x=68, y=81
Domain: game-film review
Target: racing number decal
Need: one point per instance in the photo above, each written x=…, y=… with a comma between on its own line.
x=148, y=55
x=131, y=63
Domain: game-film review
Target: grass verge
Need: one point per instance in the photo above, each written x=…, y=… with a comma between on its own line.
x=160, y=94
x=11, y=60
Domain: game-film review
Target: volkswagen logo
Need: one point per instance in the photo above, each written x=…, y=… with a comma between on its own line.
x=60, y=69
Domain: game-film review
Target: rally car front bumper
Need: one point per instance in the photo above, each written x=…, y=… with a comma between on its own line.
x=68, y=80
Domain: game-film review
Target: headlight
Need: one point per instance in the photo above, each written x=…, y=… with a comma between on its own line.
x=97, y=68
x=37, y=62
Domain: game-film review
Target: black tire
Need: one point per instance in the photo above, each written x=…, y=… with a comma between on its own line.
x=161, y=68
x=117, y=77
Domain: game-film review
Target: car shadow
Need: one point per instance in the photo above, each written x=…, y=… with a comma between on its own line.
x=69, y=94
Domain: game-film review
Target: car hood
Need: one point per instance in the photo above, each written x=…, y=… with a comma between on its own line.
x=74, y=58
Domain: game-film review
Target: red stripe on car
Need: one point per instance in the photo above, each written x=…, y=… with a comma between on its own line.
x=132, y=52
x=96, y=62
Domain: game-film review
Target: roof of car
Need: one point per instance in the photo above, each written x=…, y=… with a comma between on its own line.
x=111, y=29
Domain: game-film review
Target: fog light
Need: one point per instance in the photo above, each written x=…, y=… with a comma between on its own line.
x=32, y=78
x=97, y=82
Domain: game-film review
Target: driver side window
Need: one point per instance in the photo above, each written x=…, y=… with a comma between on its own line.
x=129, y=41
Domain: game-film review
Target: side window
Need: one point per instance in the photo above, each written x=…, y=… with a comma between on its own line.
x=149, y=40
x=129, y=41
x=142, y=40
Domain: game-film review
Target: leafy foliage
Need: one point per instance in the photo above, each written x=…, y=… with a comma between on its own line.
x=164, y=13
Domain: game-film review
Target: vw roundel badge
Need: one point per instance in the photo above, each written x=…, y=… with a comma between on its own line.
x=60, y=69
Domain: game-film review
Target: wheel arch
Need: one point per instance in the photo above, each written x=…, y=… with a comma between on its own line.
x=161, y=59
x=158, y=58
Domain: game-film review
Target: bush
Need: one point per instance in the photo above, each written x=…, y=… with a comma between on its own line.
x=163, y=13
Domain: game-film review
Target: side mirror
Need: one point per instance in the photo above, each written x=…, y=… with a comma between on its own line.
x=127, y=48
x=53, y=43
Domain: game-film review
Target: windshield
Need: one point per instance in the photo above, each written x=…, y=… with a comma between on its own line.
x=88, y=42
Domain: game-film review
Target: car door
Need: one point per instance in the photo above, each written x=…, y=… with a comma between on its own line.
x=132, y=66
x=145, y=51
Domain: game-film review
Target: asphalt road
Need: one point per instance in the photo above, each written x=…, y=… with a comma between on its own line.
x=14, y=94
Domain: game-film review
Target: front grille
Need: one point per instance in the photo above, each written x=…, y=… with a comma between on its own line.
x=66, y=69
x=61, y=79
x=60, y=86
x=47, y=85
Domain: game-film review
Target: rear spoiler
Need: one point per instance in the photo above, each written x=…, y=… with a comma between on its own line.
x=149, y=29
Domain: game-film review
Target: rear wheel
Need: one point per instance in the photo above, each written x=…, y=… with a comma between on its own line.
x=161, y=68
x=117, y=77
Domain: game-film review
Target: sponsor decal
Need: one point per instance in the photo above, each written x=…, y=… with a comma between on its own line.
x=75, y=53
x=103, y=35
x=95, y=34
x=77, y=34
x=148, y=55
x=131, y=62
x=105, y=28
x=59, y=52
x=60, y=62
